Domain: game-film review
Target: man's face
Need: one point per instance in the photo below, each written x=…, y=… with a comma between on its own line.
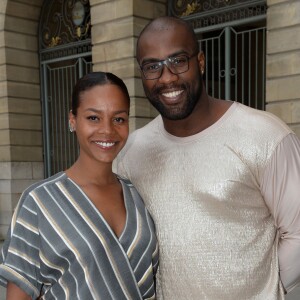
x=173, y=95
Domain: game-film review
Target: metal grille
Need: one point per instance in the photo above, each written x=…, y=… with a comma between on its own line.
x=65, y=56
x=235, y=65
x=61, y=149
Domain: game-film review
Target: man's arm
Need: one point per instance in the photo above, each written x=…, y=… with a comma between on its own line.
x=281, y=191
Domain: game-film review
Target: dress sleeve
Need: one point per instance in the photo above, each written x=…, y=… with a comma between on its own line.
x=281, y=191
x=19, y=260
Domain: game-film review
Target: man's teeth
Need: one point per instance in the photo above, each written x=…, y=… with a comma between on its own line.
x=172, y=94
x=104, y=144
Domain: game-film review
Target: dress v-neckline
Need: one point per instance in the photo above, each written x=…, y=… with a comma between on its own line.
x=99, y=212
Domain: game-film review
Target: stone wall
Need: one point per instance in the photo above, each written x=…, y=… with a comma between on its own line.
x=21, y=160
x=283, y=61
x=116, y=25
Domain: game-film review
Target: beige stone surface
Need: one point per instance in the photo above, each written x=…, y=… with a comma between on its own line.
x=26, y=153
x=6, y=202
x=21, y=25
x=3, y=74
x=21, y=58
x=5, y=154
x=37, y=170
x=3, y=105
x=16, y=170
x=95, y=2
x=19, y=185
x=124, y=68
x=284, y=15
x=139, y=24
x=3, y=4
x=114, y=50
x=37, y=3
x=273, y=2
x=142, y=108
x=296, y=129
x=4, y=137
x=296, y=111
x=4, y=121
x=24, y=106
x=286, y=88
x=2, y=54
x=149, y=9
x=21, y=41
x=283, y=40
x=26, y=137
x=25, y=122
x=283, y=110
x=5, y=186
x=23, y=74
x=136, y=123
x=109, y=31
x=18, y=9
x=3, y=89
x=23, y=90
x=111, y=10
x=283, y=64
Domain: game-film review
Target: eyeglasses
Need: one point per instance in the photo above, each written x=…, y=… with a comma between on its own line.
x=177, y=64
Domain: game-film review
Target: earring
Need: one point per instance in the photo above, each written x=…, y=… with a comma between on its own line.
x=202, y=72
x=70, y=127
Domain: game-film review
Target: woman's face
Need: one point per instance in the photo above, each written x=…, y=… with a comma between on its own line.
x=101, y=123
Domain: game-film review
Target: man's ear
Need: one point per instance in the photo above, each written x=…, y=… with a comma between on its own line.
x=201, y=61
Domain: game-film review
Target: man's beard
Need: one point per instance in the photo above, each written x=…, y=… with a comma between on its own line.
x=176, y=112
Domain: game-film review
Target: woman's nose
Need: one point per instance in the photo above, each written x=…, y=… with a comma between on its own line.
x=106, y=127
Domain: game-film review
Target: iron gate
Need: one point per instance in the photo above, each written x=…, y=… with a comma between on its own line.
x=235, y=65
x=232, y=35
x=60, y=145
x=65, y=56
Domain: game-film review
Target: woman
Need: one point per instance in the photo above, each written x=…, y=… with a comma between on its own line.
x=84, y=233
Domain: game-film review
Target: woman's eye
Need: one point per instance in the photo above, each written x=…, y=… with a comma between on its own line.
x=93, y=118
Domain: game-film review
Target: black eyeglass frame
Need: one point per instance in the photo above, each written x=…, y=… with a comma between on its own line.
x=166, y=62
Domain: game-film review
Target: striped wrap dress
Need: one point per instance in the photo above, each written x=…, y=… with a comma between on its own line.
x=59, y=245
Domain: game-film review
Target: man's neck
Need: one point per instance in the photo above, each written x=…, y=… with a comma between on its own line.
x=207, y=111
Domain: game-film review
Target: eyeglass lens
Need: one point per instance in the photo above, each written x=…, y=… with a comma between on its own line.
x=178, y=64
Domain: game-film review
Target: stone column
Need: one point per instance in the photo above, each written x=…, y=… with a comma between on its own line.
x=115, y=27
x=21, y=159
x=283, y=61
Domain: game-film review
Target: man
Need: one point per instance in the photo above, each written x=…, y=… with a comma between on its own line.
x=221, y=180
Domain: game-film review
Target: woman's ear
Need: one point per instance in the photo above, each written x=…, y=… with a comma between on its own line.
x=72, y=121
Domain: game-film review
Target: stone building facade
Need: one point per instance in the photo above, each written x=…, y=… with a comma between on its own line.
x=115, y=27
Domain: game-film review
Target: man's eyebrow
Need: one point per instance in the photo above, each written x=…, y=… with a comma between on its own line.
x=151, y=59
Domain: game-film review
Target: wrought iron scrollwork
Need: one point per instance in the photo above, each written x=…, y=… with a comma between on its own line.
x=63, y=22
x=203, y=13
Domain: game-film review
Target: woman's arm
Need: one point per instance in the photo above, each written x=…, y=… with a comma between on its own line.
x=13, y=292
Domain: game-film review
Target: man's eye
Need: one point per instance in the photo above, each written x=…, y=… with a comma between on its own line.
x=119, y=120
x=151, y=67
x=178, y=60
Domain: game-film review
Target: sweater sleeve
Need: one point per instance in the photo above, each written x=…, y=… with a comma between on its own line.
x=19, y=259
x=281, y=190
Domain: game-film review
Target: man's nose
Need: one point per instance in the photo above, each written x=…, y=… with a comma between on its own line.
x=166, y=73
